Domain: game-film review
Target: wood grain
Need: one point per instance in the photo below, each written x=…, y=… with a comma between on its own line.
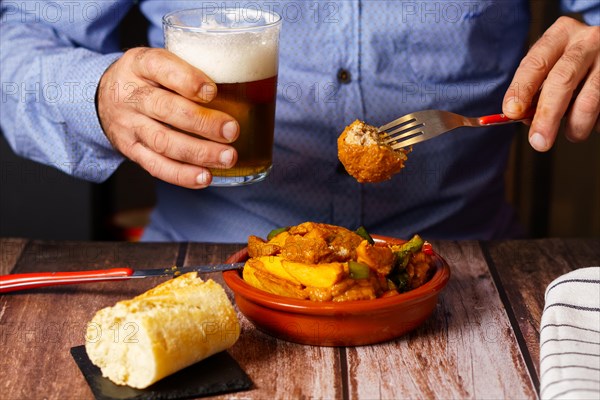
x=525, y=269
x=10, y=251
x=475, y=345
x=465, y=350
x=38, y=327
x=279, y=369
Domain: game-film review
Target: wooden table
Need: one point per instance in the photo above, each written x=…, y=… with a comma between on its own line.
x=481, y=342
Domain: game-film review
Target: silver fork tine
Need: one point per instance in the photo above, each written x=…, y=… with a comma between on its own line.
x=423, y=125
x=409, y=142
x=403, y=131
x=396, y=122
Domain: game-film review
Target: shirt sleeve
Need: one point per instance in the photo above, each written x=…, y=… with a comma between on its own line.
x=589, y=9
x=53, y=55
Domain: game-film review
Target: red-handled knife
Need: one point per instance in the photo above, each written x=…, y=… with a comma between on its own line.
x=14, y=282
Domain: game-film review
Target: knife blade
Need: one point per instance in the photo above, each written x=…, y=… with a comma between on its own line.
x=15, y=282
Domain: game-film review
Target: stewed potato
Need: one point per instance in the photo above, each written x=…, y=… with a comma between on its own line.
x=324, y=262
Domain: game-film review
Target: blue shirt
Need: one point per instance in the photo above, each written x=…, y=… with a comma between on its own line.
x=400, y=56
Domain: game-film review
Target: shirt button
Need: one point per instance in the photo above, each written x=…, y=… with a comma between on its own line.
x=343, y=76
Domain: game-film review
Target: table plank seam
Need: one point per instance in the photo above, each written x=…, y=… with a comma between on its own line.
x=344, y=373
x=15, y=268
x=521, y=342
x=182, y=251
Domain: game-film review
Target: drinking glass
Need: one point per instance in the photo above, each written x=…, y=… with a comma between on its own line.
x=238, y=48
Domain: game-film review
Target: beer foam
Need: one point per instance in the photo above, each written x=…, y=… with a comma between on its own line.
x=233, y=57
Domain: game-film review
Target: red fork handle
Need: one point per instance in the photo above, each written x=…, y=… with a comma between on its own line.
x=14, y=282
x=498, y=119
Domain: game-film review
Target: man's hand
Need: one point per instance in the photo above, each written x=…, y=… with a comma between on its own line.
x=148, y=108
x=565, y=64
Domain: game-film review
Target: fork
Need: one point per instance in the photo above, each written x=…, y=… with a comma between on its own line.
x=424, y=125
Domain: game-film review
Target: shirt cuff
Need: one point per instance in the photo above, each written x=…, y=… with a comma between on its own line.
x=95, y=159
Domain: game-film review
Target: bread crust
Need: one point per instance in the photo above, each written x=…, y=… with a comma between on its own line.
x=369, y=163
x=139, y=341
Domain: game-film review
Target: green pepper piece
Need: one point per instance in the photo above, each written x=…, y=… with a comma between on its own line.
x=401, y=281
x=402, y=258
x=413, y=245
x=403, y=254
x=276, y=232
x=358, y=270
x=362, y=232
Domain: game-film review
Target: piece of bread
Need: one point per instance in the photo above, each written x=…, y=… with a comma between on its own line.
x=365, y=156
x=176, y=324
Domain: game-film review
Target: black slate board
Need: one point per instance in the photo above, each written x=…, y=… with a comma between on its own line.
x=217, y=374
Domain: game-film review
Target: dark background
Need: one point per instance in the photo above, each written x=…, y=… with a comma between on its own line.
x=40, y=202
x=556, y=194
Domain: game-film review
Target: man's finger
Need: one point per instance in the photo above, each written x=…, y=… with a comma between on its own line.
x=557, y=93
x=174, y=172
x=183, y=147
x=184, y=114
x=534, y=69
x=170, y=71
x=584, y=112
x=560, y=85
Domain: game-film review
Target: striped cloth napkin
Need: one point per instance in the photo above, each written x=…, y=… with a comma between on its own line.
x=570, y=337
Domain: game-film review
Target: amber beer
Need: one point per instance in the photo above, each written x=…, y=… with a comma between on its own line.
x=252, y=104
x=238, y=49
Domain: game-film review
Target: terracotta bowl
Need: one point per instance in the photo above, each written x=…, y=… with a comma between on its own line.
x=351, y=323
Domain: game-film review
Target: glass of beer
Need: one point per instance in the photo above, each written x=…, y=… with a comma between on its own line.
x=238, y=48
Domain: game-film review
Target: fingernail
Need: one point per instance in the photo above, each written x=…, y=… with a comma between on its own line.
x=538, y=142
x=229, y=130
x=207, y=91
x=203, y=178
x=513, y=106
x=226, y=157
